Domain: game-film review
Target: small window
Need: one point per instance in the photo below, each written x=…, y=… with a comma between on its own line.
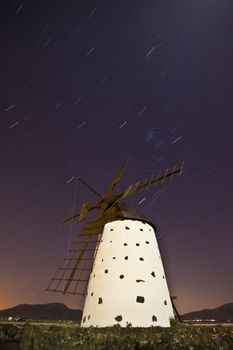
x=111, y=229
x=84, y=319
x=89, y=317
x=92, y=294
x=165, y=302
x=126, y=257
x=105, y=271
x=140, y=299
x=118, y=318
x=154, y=318
x=141, y=229
x=137, y=244
x=141, y=259
x=125, y=244
x=152, y=274
x=102, y=260
x=110, y=241
x=163, y=276
x=94, y=275
x=140, y=281
x=122, y=276
x=127, y=228
x=114, y=257
x=147, y=242
x=100, y=301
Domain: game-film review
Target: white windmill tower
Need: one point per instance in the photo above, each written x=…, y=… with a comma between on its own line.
x=116, y=263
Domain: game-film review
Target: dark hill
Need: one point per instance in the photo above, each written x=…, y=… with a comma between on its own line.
x=52, y=311
x=222, y=313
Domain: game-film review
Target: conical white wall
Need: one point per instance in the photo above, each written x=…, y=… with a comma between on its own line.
x=127, y=284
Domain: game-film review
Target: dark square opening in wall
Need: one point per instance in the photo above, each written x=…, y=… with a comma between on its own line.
x=152, y=274
x=154, y=318
x=165, y=302
x=140, y=299
x=137, y=244
x=126, y=257
x=127, y=228
x=141, y=229
x=100, y=301
x=84, y=319
x=105, y=271
x=147, y=242
x=111, y=229
x=122, y=276
x=125, y=244
x=141, y=259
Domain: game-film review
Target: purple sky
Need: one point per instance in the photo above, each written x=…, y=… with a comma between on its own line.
x=84, y=84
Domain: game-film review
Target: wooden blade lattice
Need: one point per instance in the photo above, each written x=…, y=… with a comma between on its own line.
x=73, y=275
x=152, y=181
x=79, y=215
x=116, y=179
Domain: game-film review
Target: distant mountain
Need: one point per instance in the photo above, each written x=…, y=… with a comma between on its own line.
x=52, y=311
x=59, y=311
x=222, y=313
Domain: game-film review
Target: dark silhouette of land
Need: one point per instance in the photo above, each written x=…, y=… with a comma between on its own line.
x=59, y=311
x=222, y=313
x=52, y=311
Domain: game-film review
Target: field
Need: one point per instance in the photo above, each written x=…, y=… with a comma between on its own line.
x=42, y=335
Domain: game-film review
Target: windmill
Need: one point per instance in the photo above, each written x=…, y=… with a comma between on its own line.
x=115, y=262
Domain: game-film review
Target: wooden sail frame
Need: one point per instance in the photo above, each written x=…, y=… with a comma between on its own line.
x=73, y=275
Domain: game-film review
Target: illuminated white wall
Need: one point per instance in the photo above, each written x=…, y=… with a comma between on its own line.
x=127, y=284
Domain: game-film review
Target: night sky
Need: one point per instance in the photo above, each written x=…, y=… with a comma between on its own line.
x=85, y=84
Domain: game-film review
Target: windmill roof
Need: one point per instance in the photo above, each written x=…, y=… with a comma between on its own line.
x=121, y=210
x=118, y=211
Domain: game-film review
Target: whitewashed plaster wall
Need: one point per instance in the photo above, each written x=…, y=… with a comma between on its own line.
x=127, y=284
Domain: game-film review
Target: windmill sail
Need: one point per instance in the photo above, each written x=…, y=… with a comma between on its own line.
x=151, y=181
x=116, y=179
x=94, y=227
x=80, y=215
x=73, y=275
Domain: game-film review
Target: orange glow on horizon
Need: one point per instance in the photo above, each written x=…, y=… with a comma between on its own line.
x=4, y=305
